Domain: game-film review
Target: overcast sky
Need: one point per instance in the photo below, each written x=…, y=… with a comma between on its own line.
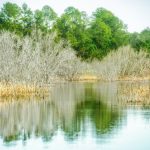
x=134, y=13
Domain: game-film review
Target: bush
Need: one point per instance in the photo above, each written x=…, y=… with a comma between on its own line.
x=35, y=60
x=125, y=62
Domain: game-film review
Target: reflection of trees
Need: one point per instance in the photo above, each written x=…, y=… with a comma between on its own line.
x=94, y=110
x=21, y=120
x=72, y=107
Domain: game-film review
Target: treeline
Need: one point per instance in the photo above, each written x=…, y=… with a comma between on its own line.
x=141, y=40
x=91, y=36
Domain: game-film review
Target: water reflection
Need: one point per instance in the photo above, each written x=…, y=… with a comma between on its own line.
x=76, y=109
x=21, y=120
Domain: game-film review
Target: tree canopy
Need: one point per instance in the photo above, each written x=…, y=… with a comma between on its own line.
x=141, y=40
x=91, y=36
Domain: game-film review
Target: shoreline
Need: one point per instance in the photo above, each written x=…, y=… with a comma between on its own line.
x=19, y=90
x=97, y=78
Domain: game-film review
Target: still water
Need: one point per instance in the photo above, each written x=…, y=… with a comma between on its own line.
x=80, y=116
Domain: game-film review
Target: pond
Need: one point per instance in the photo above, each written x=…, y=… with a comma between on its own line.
x=78, y=116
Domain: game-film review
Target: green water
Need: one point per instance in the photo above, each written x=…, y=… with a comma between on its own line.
x=79, y=116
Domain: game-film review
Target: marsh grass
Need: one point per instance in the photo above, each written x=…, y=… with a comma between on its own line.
x=134, y=93
x=23, y=91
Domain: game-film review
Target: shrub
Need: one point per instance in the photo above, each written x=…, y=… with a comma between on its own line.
x=124, y=62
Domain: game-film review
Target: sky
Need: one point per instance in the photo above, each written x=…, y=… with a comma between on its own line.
x=134, y=13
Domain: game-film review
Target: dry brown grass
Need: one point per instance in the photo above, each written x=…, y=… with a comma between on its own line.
x=22, y=91
x=136, y=94
x=132, y=78
x=86, y=77
x=90, y=77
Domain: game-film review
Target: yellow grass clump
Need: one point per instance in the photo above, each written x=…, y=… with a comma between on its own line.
x=134, y=78
x=137, y=94
x=22, y=91
x=88, y=77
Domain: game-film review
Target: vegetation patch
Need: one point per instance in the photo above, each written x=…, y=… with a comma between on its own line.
x=22, y=91
x=138, y=94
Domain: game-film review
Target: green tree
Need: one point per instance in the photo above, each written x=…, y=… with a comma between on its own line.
x=101, y=35
x=45, y=18
x=145, y=39
x=135, y=41
x=10, y=16
x=27, y=20
x=93, y=37
x=117, y=28
x=38, y=16
x=141, y=40
x=49, y=16
x=72, y=27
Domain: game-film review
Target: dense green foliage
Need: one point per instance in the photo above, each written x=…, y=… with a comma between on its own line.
x=141, y=40
x=23, y=21
x=91, y=37
x=94, y=36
